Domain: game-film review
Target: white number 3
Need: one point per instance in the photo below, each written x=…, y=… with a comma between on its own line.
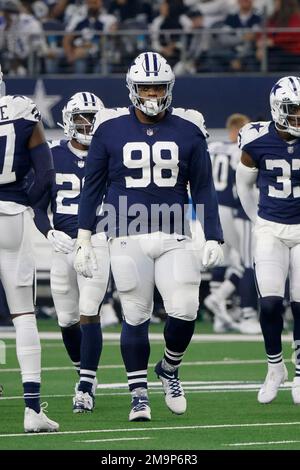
x=284, y=179
x=160, y=178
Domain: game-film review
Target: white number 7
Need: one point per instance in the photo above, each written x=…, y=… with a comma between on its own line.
x=7, y=175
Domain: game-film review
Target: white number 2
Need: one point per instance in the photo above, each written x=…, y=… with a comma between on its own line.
x=67, y=194
x=284, y=179
x=7, y=175
x=144, y=163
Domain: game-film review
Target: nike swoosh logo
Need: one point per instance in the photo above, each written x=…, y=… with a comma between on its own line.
x=180, y=239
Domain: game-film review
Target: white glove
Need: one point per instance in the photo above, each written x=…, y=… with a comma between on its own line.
x=85, y=257
x=60, y=241
x=212, y=254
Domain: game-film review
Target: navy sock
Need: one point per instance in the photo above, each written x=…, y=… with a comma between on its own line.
x=295, y=306
x=235, y=280
x=32, y=395
x=91, y=347
x=247, y=290
x=178, y=334
x=271, y=321
x=135, y=349
x=71, y=336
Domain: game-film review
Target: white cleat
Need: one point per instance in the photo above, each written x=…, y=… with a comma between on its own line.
x=174, y=393
x=83, y=402
x=296, y=390
x=140, y=409
x=218, y=308
x=39, y=422
x=249, y=326
x=277, y=375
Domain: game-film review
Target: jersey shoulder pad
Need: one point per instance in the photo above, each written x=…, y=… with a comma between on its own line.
x=22, y=107
x=217, y=147
x=107, y=114
x=53, y=143
x=253, y=131
x=193, y=116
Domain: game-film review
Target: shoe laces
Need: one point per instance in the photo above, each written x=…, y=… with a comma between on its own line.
x=139, y=403
x=175, y=388
x=44, y=407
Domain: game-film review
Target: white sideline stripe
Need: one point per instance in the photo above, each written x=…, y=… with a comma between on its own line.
x=162, y=428
x=118, y=439
x=213, y=338
x=221, y=362
x=257, y=443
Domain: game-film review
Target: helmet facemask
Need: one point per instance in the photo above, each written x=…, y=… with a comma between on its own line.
x=80, y=126
x=150, y=106
x=288, y=117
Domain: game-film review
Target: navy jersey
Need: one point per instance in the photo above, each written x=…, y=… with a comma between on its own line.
x=149, y=164
x=65, y=193
x=278, y=162
x=18, y=116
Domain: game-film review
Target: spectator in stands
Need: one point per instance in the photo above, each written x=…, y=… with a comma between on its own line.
x=54, y=53
x=82, y=44
x=22, y=40
x=234, y=49
x=213, y=11
x=283, y=48
x=172, y=16
x=195, y=46
x=132, y=15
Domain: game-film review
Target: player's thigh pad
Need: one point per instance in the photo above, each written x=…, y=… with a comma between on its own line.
x=64, y=289
x=178, y=277
x=295, y=273
x=17, y=261
x=92, y=290
x=271, y=261
x=133, y=272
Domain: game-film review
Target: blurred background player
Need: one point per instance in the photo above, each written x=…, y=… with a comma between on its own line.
x=77, y=299
x=237, y=274
x=22, y=148
x=148, y=153
x=270, y=159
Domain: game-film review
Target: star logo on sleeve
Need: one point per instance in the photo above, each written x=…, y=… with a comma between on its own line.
x=256, y=126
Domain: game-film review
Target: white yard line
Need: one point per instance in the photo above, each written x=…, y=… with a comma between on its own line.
x=162, y=428
x=213, y=338
x=238, y=444
x=222, y=362
x=118, y=439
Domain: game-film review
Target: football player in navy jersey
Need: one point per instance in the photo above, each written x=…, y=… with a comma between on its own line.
x=77, y=299
x=23, y=148
x=271, y=159
x=237, y=235
x=143, y=157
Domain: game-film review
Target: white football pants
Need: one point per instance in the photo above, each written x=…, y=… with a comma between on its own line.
x=17, y=261
x=75, y=295
x=171, y=262
x=277, y=255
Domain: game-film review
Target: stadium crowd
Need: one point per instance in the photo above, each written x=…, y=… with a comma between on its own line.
x=103, y=36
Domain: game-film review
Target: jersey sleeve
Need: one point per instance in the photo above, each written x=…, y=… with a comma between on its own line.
x=25, y=108
x=203, y=191
x=96, y=171
x=249, y=136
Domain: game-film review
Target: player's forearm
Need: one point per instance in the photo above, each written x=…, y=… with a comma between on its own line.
x=91, y=196
x=246, y=188
x=44, y=173
x=41, y=219
x=206, y=207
